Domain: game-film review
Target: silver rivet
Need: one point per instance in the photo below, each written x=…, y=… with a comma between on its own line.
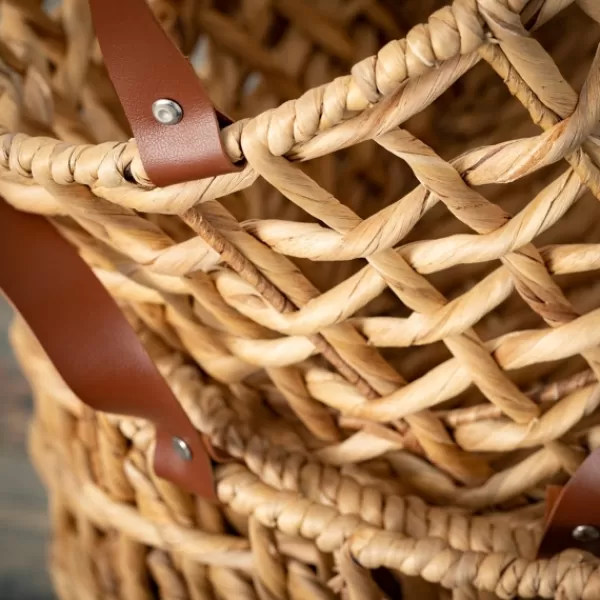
x=183, y=450
x=167, y=112
x=586, y=533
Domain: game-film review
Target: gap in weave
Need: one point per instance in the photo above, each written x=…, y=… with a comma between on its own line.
x=366, y=178
x=465, y=116
x=278, y=27
x=573, y=55
x=49, y=6
x=229, y=6
x=416, y=361
x=580, y=222
x=409, y=14
x=172, y=225
x=582, y=289
x=384, y=578
x=462, y=119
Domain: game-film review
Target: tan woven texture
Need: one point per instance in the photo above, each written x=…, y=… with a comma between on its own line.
x=389, y=319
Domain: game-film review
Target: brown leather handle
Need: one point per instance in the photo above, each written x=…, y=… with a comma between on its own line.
x=90, y=342
x=145, y=66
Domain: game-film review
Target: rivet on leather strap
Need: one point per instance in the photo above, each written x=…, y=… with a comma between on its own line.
x=145, y=66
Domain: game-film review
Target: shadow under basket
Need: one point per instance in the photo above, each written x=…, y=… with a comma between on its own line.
x=387, y=323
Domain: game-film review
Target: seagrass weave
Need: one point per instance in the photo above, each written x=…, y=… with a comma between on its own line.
x=388, y=322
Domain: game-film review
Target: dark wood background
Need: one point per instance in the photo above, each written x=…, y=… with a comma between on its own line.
x=24, y=531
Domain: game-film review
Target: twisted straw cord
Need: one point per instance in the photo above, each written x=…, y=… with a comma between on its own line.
x=120, y=223
x=431, y=558
x=325, y=310
x=102, y=511
x=533, y=281
x=380, y=231
x=277, y=279
x=195, y=547
x=588, y=173
x=267, y=340
x=121, y=228
x=575, y=195
x=510, y=351
x=550, y=100
x=204, y=343
x=462, y=312
x=279, y=579
x=271, y=579
x=413, y=290
x=387, y=227
x=544, y=393
x=109, y=516
x=106, y=167
x=561, y=418
x=470, y=593
x=359, y=363
x=356, y=580
x=428, y=430
x=555, y=98
x=540, y=214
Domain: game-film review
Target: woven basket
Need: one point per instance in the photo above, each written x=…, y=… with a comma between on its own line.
x=393, y=341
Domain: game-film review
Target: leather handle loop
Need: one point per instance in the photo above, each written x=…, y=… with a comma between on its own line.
x=145, y=66
x=90, y=342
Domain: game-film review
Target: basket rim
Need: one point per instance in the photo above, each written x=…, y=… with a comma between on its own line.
x=301, y=129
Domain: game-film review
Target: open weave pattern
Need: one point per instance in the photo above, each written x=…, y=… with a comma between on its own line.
x=299, y=292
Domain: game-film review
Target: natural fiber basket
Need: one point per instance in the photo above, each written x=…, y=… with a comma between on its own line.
x=393, y=342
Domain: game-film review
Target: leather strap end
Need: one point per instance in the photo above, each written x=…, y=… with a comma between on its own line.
x=145, y=66
x=91, y=344
x=193, y=475
x=571, y=506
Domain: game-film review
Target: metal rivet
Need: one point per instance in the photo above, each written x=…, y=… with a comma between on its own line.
x=167, y=112
x=586, y=533
x=183, y=450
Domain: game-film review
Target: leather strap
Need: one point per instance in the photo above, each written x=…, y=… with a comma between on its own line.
x=145, y=66
x=577, y=503
x=91, y=343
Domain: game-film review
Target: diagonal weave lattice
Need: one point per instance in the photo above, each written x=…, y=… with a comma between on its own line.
x=388, y=320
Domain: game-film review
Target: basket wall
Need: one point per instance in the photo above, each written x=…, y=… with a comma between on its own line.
x=394, y=339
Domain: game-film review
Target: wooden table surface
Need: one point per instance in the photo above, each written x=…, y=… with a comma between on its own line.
x=24, y=530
